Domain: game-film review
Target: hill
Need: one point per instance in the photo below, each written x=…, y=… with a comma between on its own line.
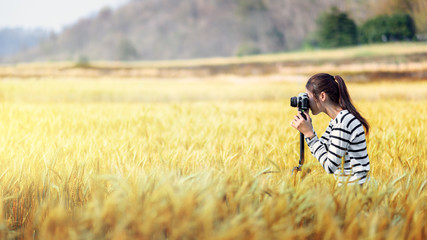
x=14, y=40
x=170, y=29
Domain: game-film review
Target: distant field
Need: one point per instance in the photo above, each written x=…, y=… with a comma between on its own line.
x=121, y=158
x=394, y=61
x=373, y=50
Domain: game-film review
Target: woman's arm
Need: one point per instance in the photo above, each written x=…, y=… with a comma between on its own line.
x=330, y=158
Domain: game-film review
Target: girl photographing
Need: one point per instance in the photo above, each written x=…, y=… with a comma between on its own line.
x=345, y=135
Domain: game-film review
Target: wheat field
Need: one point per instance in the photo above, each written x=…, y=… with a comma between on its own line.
x=209, y=159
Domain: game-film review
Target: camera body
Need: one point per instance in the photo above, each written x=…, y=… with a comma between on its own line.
x=301, y=102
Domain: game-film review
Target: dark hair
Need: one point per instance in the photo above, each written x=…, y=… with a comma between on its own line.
x=337, y=92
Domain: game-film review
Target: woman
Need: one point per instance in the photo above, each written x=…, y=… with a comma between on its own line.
x=345, y=135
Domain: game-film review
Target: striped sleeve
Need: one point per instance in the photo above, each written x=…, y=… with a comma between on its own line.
x=330, y=157
x=325, y=136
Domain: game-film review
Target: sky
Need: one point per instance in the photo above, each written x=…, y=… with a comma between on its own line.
x=49, y=14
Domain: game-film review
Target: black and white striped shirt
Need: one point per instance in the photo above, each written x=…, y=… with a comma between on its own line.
x=345, y=136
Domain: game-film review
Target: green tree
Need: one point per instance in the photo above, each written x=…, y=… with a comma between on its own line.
x=336, y=29
x=375, y=30
x=127, y=51
x=383, y=28
x=402, y=27
x=82, y=62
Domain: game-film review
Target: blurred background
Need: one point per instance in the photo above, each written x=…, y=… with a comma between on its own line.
x=141, y=30
x=277, y=40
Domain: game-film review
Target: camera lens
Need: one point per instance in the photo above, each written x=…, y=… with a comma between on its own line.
x=294, y=102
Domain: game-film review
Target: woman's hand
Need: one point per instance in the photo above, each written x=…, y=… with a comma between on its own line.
x=302, y=125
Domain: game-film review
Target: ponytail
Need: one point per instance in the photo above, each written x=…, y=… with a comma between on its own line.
x=346, y=103
x=337, y=92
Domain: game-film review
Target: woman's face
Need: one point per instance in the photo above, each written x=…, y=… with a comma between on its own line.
x=313, y=103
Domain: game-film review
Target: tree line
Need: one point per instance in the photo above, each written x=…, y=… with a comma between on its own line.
x=337, y=29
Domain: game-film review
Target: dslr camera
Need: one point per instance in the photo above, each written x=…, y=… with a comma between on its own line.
x=300, y=102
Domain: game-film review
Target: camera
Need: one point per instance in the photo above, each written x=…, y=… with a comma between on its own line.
x=301, y=102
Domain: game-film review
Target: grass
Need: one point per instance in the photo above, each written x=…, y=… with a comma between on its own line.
x=149, y=159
